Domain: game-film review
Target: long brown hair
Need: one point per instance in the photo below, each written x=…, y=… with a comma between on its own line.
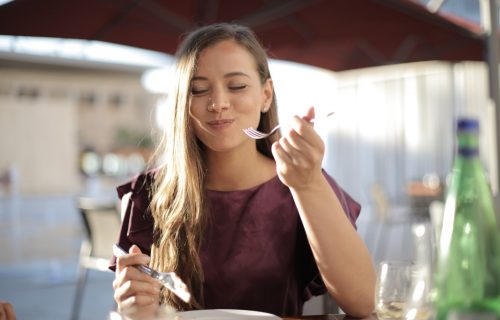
x=178, y=203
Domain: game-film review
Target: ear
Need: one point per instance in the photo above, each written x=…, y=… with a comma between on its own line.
x=267, y=95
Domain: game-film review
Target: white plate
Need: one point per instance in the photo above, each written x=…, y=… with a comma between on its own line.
x=221, y=314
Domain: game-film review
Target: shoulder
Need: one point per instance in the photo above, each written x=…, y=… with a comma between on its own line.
x=136, y=193
x=137, y=221
x=139, y=184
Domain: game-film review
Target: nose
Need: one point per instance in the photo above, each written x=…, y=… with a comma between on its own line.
x=218, y=102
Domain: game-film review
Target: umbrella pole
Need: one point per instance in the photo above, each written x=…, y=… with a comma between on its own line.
x=489, y=22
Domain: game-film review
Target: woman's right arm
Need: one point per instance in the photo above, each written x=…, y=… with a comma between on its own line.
x=136, y=294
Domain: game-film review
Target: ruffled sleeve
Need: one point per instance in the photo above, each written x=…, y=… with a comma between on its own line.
x=137, y=222
x=351, y=208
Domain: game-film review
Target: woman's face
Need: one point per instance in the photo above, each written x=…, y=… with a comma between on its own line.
x=227, y=96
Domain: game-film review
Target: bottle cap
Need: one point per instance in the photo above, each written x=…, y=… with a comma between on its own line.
x=467, y=124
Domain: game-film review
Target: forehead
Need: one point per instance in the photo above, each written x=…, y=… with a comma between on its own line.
x=225, y=56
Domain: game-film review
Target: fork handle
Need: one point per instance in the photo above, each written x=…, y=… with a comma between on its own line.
x=119, y=251
x=323, y=116
x=167, y=280
x=147, y=270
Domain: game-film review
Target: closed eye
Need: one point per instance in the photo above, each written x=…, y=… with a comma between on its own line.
x=238, y=87
x=198, y=92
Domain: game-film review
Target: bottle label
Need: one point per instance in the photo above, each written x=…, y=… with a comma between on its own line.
x=463, y=315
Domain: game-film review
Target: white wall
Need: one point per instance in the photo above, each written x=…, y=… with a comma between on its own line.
x=45, y=124
x=392, y=124
x=40, y=140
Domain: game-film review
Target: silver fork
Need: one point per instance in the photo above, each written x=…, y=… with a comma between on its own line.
x=256, y=134
x=169, y=279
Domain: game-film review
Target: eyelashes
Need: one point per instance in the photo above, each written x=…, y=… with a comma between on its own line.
x=198, y=92
x=202, y=91
x=238, y=87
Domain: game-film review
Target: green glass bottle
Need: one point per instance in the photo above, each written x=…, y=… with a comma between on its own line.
x=468, y=258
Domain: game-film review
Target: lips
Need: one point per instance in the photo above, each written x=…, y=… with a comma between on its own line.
x=221, y=123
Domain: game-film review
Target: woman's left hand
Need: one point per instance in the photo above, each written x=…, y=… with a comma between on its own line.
x=299, y=153
x=7, y=311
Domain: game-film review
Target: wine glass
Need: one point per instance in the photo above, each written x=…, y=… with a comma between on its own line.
x=419, y=304
x=394, y=283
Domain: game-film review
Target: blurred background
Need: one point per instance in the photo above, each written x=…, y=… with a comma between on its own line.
x=80, y=114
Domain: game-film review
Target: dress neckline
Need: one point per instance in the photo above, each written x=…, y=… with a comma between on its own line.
x=251, y=189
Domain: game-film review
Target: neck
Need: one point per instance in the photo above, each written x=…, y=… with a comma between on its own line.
x=238, y=169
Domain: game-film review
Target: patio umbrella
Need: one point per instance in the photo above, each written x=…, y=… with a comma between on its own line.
x=333, y=34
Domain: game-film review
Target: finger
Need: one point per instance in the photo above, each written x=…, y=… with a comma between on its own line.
x=303, y=137
x=134, y=288
x=284, y=163
x=280, y=155
x=292, y=140
x=304, y=129
x=304, y=152
x=134, y=303
x=131, y=273
x=295, y=155
x=310, y=114
x=139, y=307
x=297, y=146
x=134, y=249
x=135, y=257
x=9, y=311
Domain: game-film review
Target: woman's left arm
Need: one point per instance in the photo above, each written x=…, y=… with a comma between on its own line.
x=342, y=257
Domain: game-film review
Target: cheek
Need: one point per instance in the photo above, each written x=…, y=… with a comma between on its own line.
x=196, y=123
x=197, y=113
x=197, y=131
x=247, y=104
x=195, y=107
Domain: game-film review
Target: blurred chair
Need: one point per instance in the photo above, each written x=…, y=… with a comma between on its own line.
x=422, y=193
x=382, y=209
x=381, y=201
x=390, y=234
x=9, y=181
x=101, y=221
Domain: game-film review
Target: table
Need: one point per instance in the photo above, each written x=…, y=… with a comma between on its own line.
x=331, y=317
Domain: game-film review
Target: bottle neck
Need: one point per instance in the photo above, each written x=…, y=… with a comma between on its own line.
x=468, y=143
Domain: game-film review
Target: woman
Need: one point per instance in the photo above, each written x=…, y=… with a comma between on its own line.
x=248, y=224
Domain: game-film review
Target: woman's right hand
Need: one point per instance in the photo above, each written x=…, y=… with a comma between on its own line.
x=136, y=293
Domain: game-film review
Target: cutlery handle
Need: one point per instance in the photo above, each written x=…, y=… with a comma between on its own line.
x=324, y=116
x=119, y=251
x=171, y=282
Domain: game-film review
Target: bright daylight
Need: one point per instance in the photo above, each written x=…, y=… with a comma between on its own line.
x=312, y=160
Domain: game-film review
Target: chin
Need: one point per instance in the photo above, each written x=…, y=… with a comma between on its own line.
x=225, y=145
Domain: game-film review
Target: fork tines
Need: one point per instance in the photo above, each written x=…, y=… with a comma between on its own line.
x=252, y=133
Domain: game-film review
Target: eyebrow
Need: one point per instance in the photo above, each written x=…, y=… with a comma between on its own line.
x=227, y=75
